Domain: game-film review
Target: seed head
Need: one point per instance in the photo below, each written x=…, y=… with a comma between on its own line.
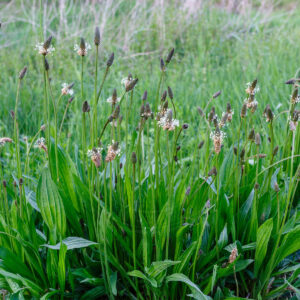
x=162, y=64
x=235, y=151
x=233, y=255
x=131, y=84
x=224, y=119
x=275, y=150
x=116, y=112
x=200, y=111
x=85, y=107
x=251, y=136
x=97, y=36
x=43, y=127
x=276, y=187
x=256, y=186
x=170, y=55
x=83, y=47
x=22, y=73
x=110, y=60
x=217, y=94
x=257, y=139
x=96, y=156
x=270, y=115
x=242, y=154
x=244, y=111
x=47, y=43
x=112, y=152
x=4, y=183
x=170, y=92
x=200, y=144
x=185, y=126
x=295, y=97
x=212, y=172
x=163, y=96
x=145, y=95
x=133, y=158
x=292, y=81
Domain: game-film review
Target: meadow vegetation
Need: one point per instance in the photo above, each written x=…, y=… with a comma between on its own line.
x=157, y=158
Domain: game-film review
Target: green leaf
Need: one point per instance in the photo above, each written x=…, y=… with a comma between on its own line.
x=72, y=242
x=263, y=236
x=159, y=266
x=61, y=272
x=289, y=245
x=197, y=294
x=139, y=274
x=50, y=204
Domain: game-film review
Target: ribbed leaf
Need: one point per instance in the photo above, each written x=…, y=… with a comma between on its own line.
x=263, y=236
x=50, y=204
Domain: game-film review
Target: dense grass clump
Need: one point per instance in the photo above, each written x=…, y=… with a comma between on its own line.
x=121, y=192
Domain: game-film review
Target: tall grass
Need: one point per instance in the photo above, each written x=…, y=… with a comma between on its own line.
x=149, y=199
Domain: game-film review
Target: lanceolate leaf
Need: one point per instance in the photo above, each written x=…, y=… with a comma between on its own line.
x=72, y=242
x=197, y=294
x=50, y=204
x=263, y=236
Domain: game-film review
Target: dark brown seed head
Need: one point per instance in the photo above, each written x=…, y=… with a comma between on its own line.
x=131, y=84
x=200, y=144
x=22, y=73
x=185, y=126
x=82, y=44
x=145, y=95
x=228, y=108
x=178, y=148
x=46, y=65
x=200, y=111
x=116, y=112
x=217, y=94
x=235, y=150
x=212, y=172
x=142, y=110
x=148, y=108
x=244, y=110
x=85, y=107
x=242, y=154
x=170, y=55
x=166, y=104
x=133, y=158
x=163, y=96
x=169, y=115
x=71, y=100
x=4, y=183
x=265, y=110
x=292, y=81
x=257, y=139
x=251, y=136
x=170, y=92
x=47, y=43
x=275, y=150
x=270, y=115
x=114, y=96
x=12, y=114
x=115, y=146
x=110, y=60
x=253, y=84
x=97, y=36
x=162, y=64
x=215, y=121
x=256, y=186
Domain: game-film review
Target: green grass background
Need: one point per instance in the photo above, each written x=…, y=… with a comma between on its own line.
x=219, y=45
